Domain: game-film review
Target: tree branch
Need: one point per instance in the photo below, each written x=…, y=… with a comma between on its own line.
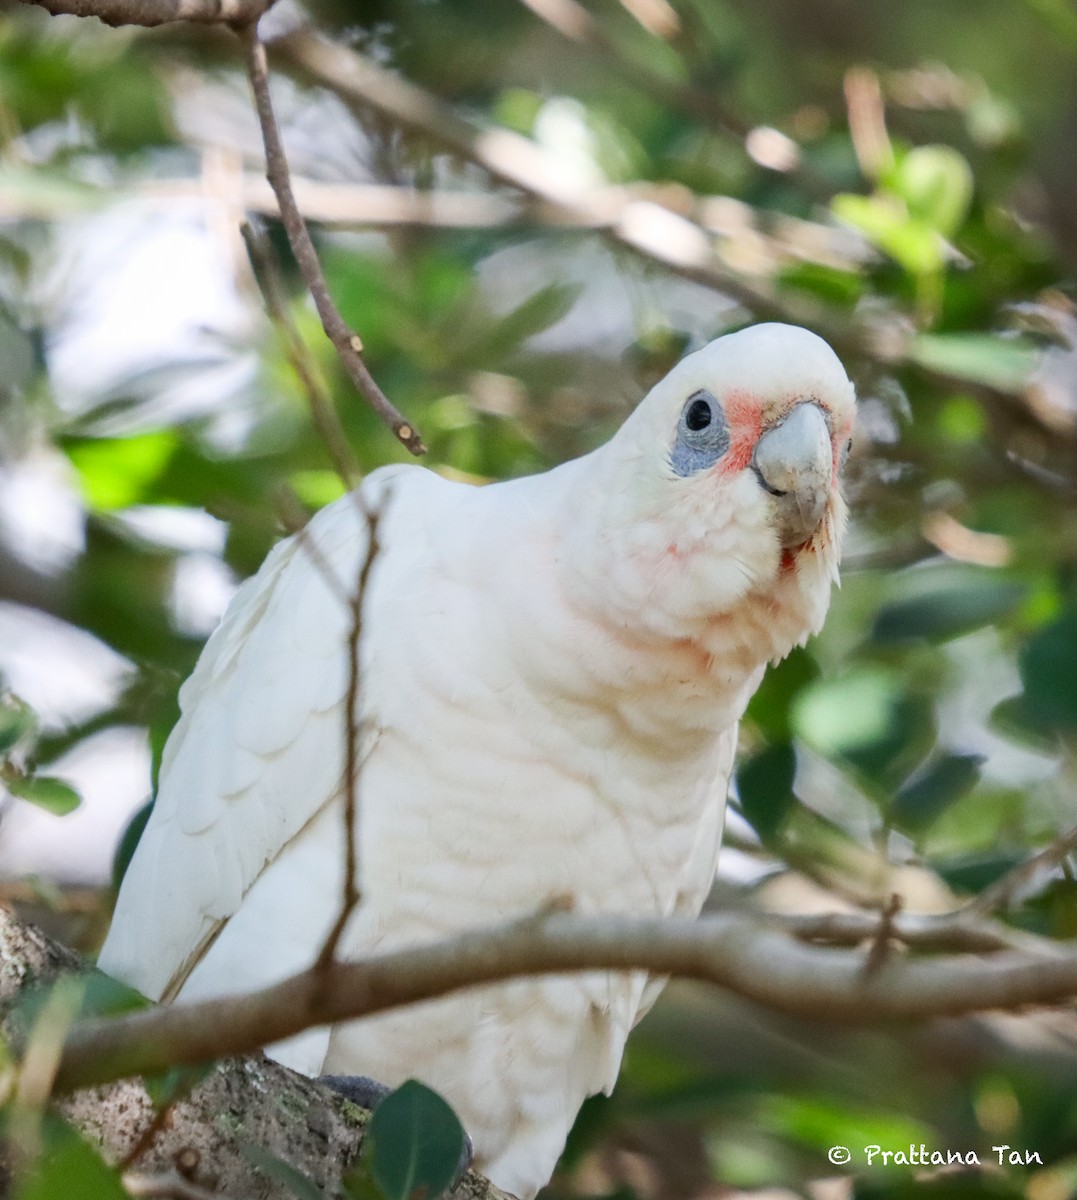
x=1026, y=877
x=352, y=729
x=728, y=950
x=150, y=13
x=325, y=417
x=347, y=342
x=652, y=229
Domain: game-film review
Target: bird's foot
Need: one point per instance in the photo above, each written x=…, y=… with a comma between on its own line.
x=359, y=1089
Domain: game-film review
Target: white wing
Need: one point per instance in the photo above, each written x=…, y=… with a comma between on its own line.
x=256, y=754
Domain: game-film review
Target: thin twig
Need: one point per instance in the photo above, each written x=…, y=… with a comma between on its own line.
x=295, y=520
x=147, y=1137
x=953, y=932
x=321, y=406
x=167, y=1185
x=576, y=24
x=1002, y=893
x=880, y=948
x=649, y=229
x=347, y=342
x=352, y=727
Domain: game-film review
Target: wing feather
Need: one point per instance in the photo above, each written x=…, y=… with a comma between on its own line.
x=256, y=754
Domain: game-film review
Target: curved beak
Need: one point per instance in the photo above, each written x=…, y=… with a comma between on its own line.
x=793, y=462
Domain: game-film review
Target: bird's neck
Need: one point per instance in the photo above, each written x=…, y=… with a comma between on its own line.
x=672, y=636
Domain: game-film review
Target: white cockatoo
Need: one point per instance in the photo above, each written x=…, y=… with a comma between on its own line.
x=553, y=670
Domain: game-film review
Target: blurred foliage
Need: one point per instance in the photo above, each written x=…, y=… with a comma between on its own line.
x=900, y=177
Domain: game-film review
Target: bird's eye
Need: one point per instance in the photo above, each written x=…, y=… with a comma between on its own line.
x=702, y=434
x=845, y=452
x=698, y=414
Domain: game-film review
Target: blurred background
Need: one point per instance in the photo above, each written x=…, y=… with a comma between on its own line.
x=529, y=209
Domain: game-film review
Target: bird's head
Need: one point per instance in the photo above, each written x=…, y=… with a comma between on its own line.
x=729, y=471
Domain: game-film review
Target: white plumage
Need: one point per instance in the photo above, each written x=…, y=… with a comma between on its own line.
x=553, y=670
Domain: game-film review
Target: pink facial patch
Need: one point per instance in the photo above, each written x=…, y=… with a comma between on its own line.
x=744, y=416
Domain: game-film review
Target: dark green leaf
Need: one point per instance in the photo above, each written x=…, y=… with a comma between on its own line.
x=770, y=707
x=1048, y=666
x=924, y=797
x=947, y=612
x=974, y=872
x=414, y=1144
x=175, y=1083
x=129, y=843
x=1013, y=718
x=765, y=788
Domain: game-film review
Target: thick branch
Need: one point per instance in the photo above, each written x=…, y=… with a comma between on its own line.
x=750, y=956
x=158, y=12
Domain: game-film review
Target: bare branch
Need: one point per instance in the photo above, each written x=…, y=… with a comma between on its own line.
x=321, y=406
x=654, y=230
x=150, y=13
x=347, y=342
x=726, y=950
x=166, y=1185
x=352, y=728
x=953, y=932
x=1026, y=876
x=576, y=24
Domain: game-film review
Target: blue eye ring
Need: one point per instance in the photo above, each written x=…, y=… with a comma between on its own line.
x=702, y=435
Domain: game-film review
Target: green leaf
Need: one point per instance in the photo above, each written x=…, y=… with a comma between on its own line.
x=69, y=1167
x=765, y=788
x=947, y=611
x=840, y=714
x=770, y=707
x=129, y=840
x=909, y=241
x=974, y=872
x=1048, y=666
x=281, y=1172
x=46, y=792
x=533, y=315
x=16, y=721
x=870, y=721
x=175, y=1083
x=1013, y=718
x=936, y=184
x=926, y=796
x=1004, y=363
x=117, y=472
x=414, y=1144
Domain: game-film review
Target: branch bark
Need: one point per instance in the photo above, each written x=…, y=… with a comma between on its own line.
x=242, y=1102
x=150, y=13
x=727, y=950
